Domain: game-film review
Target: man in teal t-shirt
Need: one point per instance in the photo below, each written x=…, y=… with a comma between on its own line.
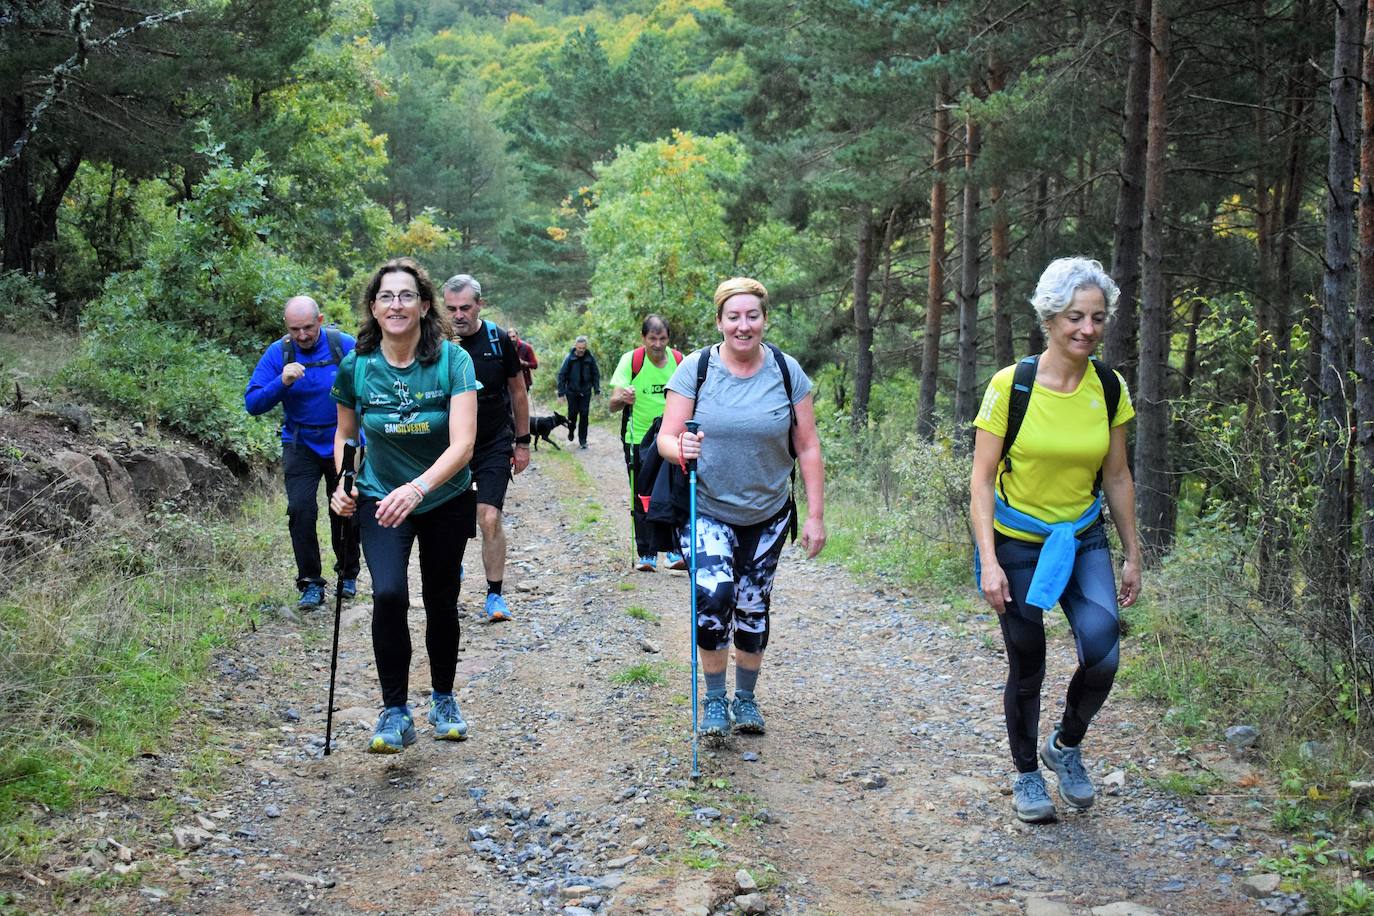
x=637, y=387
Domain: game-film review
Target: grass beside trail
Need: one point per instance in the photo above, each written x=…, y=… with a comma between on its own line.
x=102, y=639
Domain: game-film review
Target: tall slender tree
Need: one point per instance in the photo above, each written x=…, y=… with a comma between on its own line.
x=1120, y=348
x=1329, y=565
x=935, y=288
x=1154, y=488
x=965, y=393
x=1364, y=330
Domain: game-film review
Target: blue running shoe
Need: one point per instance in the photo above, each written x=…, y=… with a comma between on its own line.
x=1031, y=800
x=744, y=712
x=312, y=596
x=350, y=588
x=395, y=731
x=715, y=717
x=1067, y=762
x=646, y=564
x=675, y=560
x=447, y=720
x=496, y=608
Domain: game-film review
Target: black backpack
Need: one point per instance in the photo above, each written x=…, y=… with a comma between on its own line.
x=336, y=353
x=1023, y=380
x=661, y=486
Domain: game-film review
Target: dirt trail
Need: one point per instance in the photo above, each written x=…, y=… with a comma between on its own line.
x=879, y=787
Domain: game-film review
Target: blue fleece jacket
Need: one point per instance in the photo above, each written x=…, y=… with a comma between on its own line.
x=310, y=411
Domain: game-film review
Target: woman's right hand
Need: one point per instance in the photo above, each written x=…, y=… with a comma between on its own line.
x=996, y=589
x=343, y=503
x=689, y=445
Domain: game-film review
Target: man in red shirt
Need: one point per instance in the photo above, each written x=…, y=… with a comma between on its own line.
x=526, y=354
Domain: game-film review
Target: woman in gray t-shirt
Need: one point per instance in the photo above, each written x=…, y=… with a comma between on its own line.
x=744, y=449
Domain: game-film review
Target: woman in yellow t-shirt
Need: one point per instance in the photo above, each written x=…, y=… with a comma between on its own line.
x=1038, y=529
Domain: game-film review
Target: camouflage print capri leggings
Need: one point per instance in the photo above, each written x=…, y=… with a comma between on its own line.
x=735, y=569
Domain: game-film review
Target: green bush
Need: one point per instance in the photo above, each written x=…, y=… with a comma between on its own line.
x=22, y=300
x=164, y=373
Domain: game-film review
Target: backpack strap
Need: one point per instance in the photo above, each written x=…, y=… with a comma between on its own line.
x=1111, y=393
x=493, y=336
x=636, y=362
x=1021, y=384
x=288, y=350
x=791, y=446
x=336, y=353
x=703, y=364
x=360, y=361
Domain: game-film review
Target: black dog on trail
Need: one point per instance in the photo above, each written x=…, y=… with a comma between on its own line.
x=541, y=427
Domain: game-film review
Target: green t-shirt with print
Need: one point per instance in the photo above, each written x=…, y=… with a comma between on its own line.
x=649, y=388
x=405, y=420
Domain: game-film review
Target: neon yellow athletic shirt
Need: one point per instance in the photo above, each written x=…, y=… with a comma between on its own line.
x=1062, y=444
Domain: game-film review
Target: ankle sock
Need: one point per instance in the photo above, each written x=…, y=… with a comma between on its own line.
x=494, y=588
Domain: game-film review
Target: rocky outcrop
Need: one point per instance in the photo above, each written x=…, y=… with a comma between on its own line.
x=58, y=477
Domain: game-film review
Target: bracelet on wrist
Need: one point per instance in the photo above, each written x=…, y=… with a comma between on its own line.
x=523, y=440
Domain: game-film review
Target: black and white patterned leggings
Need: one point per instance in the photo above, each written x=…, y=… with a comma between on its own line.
x=735, y=569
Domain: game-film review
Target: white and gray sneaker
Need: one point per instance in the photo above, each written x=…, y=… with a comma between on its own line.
x=1031, y=800
x=1067, y=762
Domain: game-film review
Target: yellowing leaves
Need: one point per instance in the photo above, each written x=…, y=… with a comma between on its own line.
x=557, y=233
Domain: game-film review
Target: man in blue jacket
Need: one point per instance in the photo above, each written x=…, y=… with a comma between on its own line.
x=298, y=372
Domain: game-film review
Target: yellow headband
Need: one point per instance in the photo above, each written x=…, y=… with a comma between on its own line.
x=737, y=286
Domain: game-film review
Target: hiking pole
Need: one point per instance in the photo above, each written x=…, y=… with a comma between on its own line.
x=346, y=477
x=692, y=427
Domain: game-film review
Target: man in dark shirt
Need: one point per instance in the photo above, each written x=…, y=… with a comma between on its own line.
x=503, y=425
x=578, y=379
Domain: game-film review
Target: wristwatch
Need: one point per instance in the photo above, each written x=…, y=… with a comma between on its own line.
x=523, y=440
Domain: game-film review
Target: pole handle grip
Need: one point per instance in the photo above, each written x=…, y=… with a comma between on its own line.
x=350, y=452
x=692, y=427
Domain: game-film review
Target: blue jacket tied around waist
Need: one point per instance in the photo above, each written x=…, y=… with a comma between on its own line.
x=1055, y=564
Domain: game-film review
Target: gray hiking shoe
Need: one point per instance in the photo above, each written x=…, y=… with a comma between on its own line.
x=1030, y=799
x=744, y=712
x=1067, y=762
x=447, y=720
x=715, y=717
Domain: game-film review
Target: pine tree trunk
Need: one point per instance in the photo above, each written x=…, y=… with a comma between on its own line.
x=863, y=324
x=1364, y=337
x=18, y=205
x=1154, y=487
x=935, y=293
x=1328, y=564
x=965, y=393
x=1120, y=348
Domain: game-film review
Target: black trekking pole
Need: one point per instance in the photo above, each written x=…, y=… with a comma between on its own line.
x=346, y=478
x=692, y=427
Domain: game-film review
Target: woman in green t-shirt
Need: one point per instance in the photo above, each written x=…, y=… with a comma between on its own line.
x=1037, y=523
x=414, y=395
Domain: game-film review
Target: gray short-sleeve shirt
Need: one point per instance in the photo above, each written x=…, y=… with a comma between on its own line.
x=743, y=475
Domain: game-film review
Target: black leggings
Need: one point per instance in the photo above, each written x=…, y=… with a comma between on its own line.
x=1089, y=603
x=443, y=533
x=303, y=468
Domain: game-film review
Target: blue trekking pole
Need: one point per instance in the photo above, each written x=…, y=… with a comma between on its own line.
x=346, y=478
x=692, y=427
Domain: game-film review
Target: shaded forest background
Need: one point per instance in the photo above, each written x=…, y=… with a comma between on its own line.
x=898, y=174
